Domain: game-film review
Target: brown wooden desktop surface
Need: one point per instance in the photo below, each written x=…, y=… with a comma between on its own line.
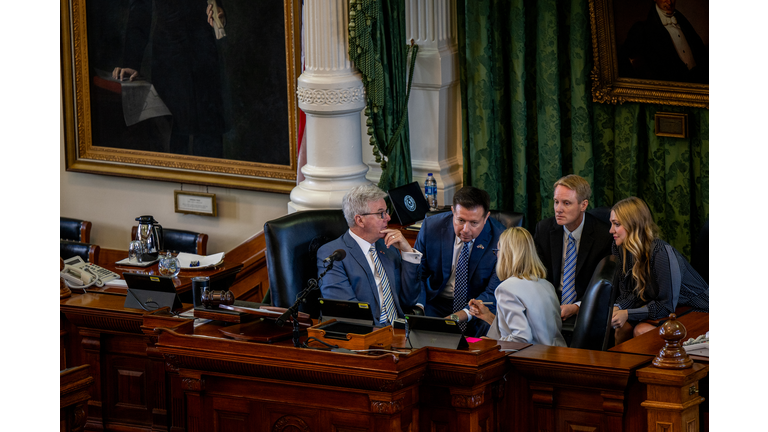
x=696, y=324
x=183, y=281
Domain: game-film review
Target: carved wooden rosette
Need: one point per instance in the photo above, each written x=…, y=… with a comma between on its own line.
x=469, y=400
x=196, y=384
x=290, y=424
x=386, y=407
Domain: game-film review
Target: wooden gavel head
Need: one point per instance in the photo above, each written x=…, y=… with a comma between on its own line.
x=212, y=299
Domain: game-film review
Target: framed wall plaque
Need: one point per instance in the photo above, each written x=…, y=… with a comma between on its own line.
x=671, y=125
x=198, y=203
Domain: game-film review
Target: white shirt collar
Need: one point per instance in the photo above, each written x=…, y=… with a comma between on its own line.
x=459, y=242
x=666, y=19
x=364, y=245
x=577, y=232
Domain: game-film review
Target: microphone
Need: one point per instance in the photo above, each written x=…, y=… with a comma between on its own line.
x=337, y=255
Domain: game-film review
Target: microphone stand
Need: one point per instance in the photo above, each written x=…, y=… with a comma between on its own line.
x=293, y=311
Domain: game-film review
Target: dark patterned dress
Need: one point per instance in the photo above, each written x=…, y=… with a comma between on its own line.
x=663, y=297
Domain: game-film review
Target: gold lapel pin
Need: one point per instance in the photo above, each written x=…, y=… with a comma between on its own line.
x=480, y=246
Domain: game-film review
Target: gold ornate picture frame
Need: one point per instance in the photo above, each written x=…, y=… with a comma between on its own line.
x=621, y=75
x=258, y=67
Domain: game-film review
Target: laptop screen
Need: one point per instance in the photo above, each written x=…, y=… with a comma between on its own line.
x=149, y=282
x=409, y=203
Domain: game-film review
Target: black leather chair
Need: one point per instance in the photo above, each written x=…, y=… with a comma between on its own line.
x=74, y=230
x=602, y=213
x=181, y=241
x=700, y=254
x=88, y=252
x=292, y=243
x=507, y=218
x=592, y=329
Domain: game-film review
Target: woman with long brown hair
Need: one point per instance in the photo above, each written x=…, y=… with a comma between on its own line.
x=527, y=306
x=653, y=277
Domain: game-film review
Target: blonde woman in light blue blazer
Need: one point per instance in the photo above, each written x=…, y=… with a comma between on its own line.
x=526, y=304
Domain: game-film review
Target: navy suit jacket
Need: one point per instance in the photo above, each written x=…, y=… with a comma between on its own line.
x=595, y=244
x=351, y=279
x=436, y=240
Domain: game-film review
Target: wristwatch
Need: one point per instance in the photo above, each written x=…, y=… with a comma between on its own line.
x=454, y=317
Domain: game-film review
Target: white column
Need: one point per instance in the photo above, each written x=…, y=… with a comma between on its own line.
x=331, y=94
x=434, y=108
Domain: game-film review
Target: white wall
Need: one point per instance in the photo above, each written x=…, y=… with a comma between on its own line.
x=112, y=203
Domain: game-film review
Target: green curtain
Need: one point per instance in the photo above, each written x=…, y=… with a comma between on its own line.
x=528, y=119
x=376, y=45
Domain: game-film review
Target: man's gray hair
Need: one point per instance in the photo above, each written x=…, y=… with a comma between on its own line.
x=356, y=201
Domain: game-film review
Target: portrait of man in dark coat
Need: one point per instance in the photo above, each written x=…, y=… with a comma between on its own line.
x=665, y=46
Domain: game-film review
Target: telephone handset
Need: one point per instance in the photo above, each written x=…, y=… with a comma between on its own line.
x=77, y=276
x=80, y=274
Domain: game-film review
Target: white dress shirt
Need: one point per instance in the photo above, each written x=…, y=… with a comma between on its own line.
x=678, y=38
x=412, y=257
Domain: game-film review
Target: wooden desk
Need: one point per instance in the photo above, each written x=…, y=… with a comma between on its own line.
x=154, y=372
x=95, y=329
x=696, y=324
x=555, y=388
x=650, y=343
x=226, y=384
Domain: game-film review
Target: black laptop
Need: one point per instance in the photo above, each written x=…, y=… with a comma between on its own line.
x=409, y=203
x=351, y=317
x=438, y=332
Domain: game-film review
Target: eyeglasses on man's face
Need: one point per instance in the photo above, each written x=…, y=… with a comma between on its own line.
x=383, y=214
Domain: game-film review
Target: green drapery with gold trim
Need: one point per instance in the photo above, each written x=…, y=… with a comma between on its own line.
x=528, y=119
x=376, y=45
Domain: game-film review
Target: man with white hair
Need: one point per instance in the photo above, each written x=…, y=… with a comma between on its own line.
x=380, y=267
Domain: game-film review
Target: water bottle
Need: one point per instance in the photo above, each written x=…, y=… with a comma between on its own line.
x=430, y=191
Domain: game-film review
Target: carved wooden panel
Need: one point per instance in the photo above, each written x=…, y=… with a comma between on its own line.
x=350, y=422
x=233, y=415
x=126, y=387
x=579, y=421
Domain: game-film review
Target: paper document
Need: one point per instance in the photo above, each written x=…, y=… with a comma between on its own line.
x=186, y=259
x=140, y=99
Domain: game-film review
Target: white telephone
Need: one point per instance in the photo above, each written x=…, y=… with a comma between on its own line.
x=79, y=274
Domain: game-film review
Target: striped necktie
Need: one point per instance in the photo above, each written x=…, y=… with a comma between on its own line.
x=460, y=286
x=569, y=272
x=388, y=312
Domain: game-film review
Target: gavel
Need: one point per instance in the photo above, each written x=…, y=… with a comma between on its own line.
x=212, y=299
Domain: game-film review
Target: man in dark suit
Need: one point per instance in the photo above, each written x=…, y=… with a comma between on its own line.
x=380, y=267
x=572, y=234
x=664, y=47
x=450, y=281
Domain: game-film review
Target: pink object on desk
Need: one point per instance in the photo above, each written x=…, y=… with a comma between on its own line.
x=473, y=339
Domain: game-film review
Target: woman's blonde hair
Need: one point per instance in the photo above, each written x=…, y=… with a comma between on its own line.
x=517, y=256
x=635, y=216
